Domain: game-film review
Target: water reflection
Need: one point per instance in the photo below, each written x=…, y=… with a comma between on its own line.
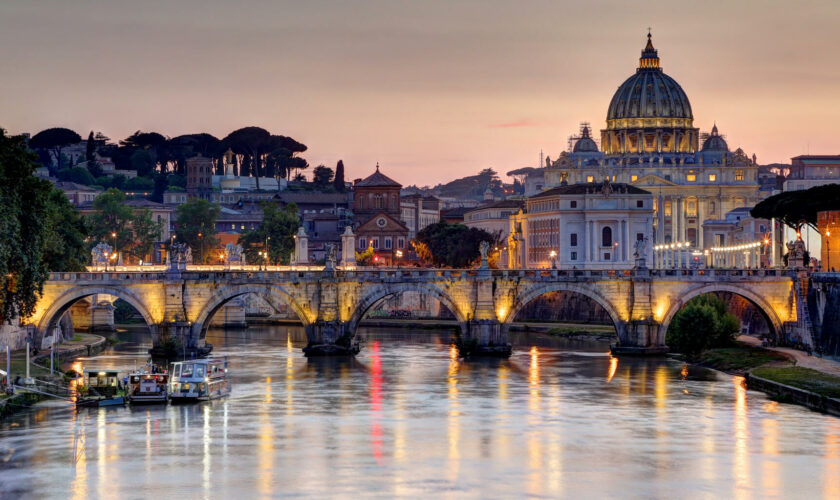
x=407, y=418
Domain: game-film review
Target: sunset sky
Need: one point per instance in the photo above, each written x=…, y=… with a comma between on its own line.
x=432, y=90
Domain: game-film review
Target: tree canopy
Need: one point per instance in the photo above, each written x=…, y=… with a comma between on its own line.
x=117, y=224
x=275, y=234
x=702, y=324
x=24, y=225
x=196, y=226
x=54, y=140
x=797, y=207
x=65, y=249
x=322, y=176
x=450, y=245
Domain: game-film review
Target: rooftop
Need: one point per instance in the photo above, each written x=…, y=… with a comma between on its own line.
x=591, y=188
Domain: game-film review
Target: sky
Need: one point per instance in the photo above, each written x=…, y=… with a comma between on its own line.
x=432, y=90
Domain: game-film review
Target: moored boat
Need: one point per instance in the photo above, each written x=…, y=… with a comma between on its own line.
x=198, y=380
x=144, y=387
x=101, y=388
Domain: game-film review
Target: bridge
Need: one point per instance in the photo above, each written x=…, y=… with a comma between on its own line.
x=179, y=304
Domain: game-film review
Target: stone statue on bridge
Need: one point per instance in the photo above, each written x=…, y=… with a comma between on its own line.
x=181, y=255
x=483, y=248
x=796, y=254
x=100, y=253
x=234, y=254
x=331, y=259
x=639, y=248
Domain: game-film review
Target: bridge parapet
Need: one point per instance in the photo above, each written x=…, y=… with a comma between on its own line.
x=331, y=303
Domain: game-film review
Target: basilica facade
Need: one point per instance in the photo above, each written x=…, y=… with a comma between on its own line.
x=650, y=141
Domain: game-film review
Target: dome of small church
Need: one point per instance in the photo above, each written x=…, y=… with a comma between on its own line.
x=585, y=143
x=715, y=142
x=649, y=93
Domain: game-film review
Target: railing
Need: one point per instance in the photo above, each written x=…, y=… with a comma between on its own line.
x=296, y=273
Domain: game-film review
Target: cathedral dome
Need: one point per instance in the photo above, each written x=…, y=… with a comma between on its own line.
x=715, y=142
x=649, y=93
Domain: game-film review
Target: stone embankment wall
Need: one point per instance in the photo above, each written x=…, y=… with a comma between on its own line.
x=14, y=335
x=824, y=309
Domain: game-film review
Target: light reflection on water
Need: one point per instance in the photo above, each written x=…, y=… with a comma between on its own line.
x=406, y=418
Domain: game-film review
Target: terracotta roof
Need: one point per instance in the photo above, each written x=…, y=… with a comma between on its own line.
x=378, y=179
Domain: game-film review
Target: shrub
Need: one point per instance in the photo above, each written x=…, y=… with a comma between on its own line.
x=702, y=324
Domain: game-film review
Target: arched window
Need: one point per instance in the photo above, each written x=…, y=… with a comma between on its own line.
x=606, y=237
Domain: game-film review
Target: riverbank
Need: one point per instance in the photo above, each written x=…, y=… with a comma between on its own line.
x=786, y=375
x=82, y=344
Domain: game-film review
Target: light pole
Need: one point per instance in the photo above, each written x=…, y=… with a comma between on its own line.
x=399, y=255
x=114, y=238
x=828, y=251
x=201, y=247
x=107, y=259
x=267, y=239
x=553, y=256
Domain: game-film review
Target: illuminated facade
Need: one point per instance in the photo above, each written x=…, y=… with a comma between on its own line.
x=650, y=142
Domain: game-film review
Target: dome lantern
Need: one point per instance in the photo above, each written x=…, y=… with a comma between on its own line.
x=650, y=56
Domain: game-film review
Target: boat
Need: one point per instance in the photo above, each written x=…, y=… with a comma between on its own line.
x=198, y=380
x=101, y=388
x=145, y=387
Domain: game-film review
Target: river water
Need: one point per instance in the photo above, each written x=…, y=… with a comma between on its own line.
x=407, y=418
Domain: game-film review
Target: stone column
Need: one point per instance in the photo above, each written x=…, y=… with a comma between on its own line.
x=348, y=248
x=301, y=247
x=660, y=231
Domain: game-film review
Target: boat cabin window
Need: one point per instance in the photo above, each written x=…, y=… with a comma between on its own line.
x=176, y=370
x=199, y=371
x=187, y=370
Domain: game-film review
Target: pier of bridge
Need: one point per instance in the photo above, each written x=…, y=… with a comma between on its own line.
x=180, y=304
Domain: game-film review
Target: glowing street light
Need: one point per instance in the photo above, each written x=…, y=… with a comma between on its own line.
x=553, y=255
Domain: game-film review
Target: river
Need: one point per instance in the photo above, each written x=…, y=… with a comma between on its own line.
x=407, y=418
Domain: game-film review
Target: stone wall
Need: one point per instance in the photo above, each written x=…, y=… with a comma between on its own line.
x=824, y=309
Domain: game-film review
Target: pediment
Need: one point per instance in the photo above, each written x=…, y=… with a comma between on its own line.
x=375, y=224
x=652, y=180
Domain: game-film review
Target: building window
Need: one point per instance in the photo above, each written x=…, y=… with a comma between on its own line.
x=634, y=178
x=668, y=208
x=233, y=227
x=590, y=178
x=691, y=177
x=362, y=244
x=739, y=175
x=762, y=228
x=667, y=177
x=388, y=243
x=712, y=177
x=606, y=237
x=640, y=204
x=711, y=208
x=573, y=240
x=400, y=242
x=607, y=256
x=574, y=256
x=640, y=236
x=573, y=204
x=691, y=207
x=374, y=242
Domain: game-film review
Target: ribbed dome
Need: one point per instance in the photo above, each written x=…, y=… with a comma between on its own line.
x=649, y=93
x=585, y=144
x=715, y=142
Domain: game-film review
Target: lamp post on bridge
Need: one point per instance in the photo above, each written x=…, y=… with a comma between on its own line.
x=553, y=255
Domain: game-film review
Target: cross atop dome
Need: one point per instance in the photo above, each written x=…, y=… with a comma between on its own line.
x=650, y=56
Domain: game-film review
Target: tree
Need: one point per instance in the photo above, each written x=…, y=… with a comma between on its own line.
x=450, y=245
x=90, y=156
x=253, y=142
x=702, y=324
x=275, y=234
x=365, y=258
x=24, y=222
x=54, y=140
x=338, y=182
x=196, y=226
x=111, y=221
x=79, y=175
x=322, y=176
x=795, y=207
x=65, y=249
x=146, y=231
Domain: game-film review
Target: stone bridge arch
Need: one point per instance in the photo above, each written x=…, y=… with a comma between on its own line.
x=65, y=301
x=764, y=308
x=532, y=293
x=372, y=296
x=268, y=293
